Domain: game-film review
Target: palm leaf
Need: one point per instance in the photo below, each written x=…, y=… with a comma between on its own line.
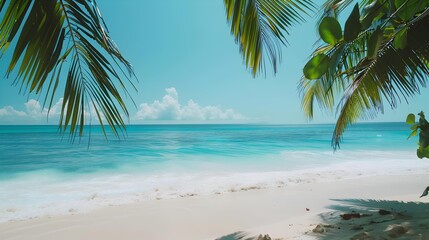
x=48, y=34
x=259, y=27
x=363, y=82
x=394, y=75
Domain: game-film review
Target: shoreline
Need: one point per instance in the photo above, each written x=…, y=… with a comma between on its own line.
x=52, y=194
x=288, y=212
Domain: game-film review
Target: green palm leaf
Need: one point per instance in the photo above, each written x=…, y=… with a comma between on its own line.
x=48, y=36
x=259, y=27
x=369, y=71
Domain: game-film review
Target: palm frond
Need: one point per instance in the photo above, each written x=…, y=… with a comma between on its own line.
x=365, y=82
x=51, y=35
x=260, y=26
x=394, y=75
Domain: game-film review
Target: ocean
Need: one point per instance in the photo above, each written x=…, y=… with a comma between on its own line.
x=43, y=174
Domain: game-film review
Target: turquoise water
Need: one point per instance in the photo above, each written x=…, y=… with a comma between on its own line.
x=30, y=148
x=42, y=173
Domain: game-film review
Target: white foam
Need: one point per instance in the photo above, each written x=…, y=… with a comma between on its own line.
x=48, y=193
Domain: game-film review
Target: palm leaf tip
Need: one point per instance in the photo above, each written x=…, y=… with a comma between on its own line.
x=67, y=41
x=259, y=27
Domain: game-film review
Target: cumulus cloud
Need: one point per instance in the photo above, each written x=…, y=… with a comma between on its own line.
x=33, y=113
x=10, y=111
x=169, y=108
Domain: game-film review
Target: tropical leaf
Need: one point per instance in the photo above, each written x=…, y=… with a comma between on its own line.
x=330, y=30
x=317, y=66
x=374, y=43
x=369, y=71
x=406, y=9
x=400, y=40
x=46, y=37
x=411, y=119
x=260, y=26
x=353, y=25
x=425, y=192
x=412, y=134
x=371, y=12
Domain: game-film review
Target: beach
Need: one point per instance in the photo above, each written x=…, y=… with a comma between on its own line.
x=287, y=212
x=145, y=123
x=207, y=181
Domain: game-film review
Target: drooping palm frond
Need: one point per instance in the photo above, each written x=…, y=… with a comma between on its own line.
x=55, y=41
x=259, y=27
x=394, y=75
x=379, y=66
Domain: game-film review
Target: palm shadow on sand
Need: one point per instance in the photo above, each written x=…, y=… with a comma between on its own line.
x=244, y=236
x=360, y=219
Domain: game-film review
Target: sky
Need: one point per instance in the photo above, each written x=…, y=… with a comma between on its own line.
x=190, y=71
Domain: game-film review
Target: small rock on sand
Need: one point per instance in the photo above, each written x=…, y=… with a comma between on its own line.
x=319, y=229
x=362, y=236
x=383, y=212
x=265, y=237
x=348, y=216
x=395, y=231
x=72, y=210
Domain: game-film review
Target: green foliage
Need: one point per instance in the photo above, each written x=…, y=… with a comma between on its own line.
x=317, y=66
x=353, y=25
x=400, y=40
x=259, y=27
x=53, y=41
x=406, y=9
x=423, y=128
x=370, y=13
x=374, y=43
x=411, y=119
x=381, y=59
x=330, y=30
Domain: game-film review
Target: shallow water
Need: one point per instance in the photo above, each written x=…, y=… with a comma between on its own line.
x=41, y=173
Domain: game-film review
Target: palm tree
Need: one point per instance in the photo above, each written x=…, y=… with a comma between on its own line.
x=382, y=56
x=53, y=41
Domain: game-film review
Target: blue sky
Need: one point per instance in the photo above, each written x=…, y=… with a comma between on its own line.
x=190, y=70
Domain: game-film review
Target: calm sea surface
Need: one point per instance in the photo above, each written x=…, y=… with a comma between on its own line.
x=42, y=173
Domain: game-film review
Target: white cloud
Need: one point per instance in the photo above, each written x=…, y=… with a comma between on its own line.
x=33, y=113
x=10, y=111
x=169, y=108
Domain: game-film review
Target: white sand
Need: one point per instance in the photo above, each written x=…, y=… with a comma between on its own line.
x=279, y=212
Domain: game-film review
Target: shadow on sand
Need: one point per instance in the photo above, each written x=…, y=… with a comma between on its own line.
x=359, y=219
x=243, y=236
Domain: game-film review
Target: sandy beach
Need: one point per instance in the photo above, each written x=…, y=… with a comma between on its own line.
x=214, y=120
x=286, y=212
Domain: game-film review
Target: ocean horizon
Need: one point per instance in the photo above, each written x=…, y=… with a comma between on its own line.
x=43, y=174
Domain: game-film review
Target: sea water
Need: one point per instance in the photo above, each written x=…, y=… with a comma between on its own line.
x=43, y=173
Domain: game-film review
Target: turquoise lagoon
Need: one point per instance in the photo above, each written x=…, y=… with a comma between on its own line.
x=43, y=174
